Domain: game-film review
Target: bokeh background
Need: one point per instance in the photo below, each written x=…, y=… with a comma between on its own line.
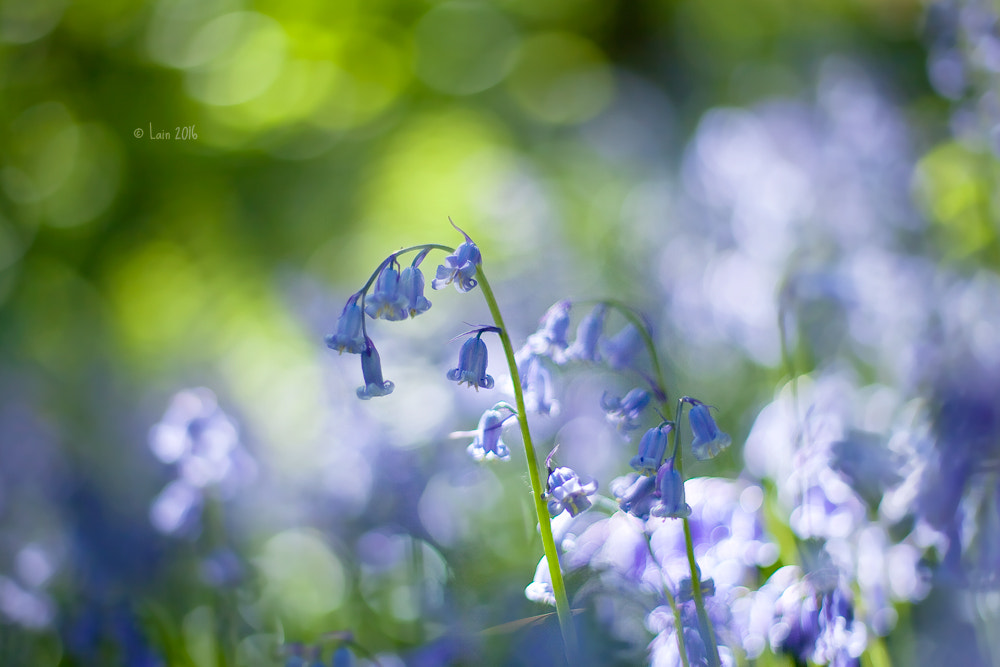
x=190, y=190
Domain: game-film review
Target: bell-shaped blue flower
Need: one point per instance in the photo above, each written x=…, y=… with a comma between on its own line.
x=652, y=447
x=568, y=491
x=459, y=267
x=387, y=301
x=670, y=489
x=487, y=444
x=550, y=339
x=708, y=441
x=411, y=286
x=371, y=369
x=635, y=493
x=536, y=383
x=472, y=365
x=349, y=335
x=622, y=348
x=625, y=412
x=588, y=334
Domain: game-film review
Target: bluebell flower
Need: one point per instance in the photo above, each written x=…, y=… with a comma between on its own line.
x=459, y=267
x=540, y=588
x=625, y=412
x=371, y=370
x=536, y=383
x=550, y=339
x=708, y=441
x=387, y=301
x=588, y=334
x=635, y=493
x=568, y=491
x=652, y=447
x=620, y=350
x=486, y=444
x=349, y=335
x=411, y=286
x=343, y=657
x=472, y=364
x=670, y=490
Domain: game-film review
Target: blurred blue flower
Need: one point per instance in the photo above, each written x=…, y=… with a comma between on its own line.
x=371, y=370
x=540, y=588
x=568, y=491
x=708, y=441
x=459, y=267
x=487, y=444
x=536, y=383
x=387, y=301
x=652, y=447
x=349, y=334
x=625, y=412
x=670, y=489
x=620, y=350
x=342, y=657
x=550, y=339
x=472, y=364
x=411, y=285
x=588, y=334
x=635, y=493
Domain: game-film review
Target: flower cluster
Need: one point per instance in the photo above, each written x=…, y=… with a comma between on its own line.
x=398, y=294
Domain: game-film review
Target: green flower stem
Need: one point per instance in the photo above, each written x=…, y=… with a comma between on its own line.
x=708, y=632
x=544, y=520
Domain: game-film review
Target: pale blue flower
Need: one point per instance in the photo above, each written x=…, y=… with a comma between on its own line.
x=568, y=491
x=459, y=267
x=708, y=441
x=487, y=444
x=411, y=286
x=625, y=412
x=635, y=493
x=536, y=383
x=620, y=350
x=349, y=334
x=472, y=364
x=550, y=339
x=652, y=447
x=387, y=301
x=670, y=490
x=371, y=369
x=588, y=333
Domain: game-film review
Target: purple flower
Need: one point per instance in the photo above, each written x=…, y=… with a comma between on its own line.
x=635, y=493
x=460, y=266
x=708, y=441
x=567, y=491
x=371, y=370
x=472, y=364
x=536, y=382
x=486, y=444
x=670, y=489
x=349, y=335
x=387, y=302
x=550, y=339
x=411, y=286
x=625, y=412
x=588, y=333
x=620, y=350
x=652, y=447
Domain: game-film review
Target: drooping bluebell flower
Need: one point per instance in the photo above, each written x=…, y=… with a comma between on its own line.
x=568, y=491
x=621, y=349
x=387, y=301
x=635, y=493
x=670, y=492
x=349, y=335
x=625, y=412
x=588, y=334
x=708, y=441
x=487, y=444
x=342, y=657
x=371, y=370
x=540, y=588
x=411, y=286
x=536, y=383
x=652, y=447
x=459, y=267
x=550, y=339
x=472, y=364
